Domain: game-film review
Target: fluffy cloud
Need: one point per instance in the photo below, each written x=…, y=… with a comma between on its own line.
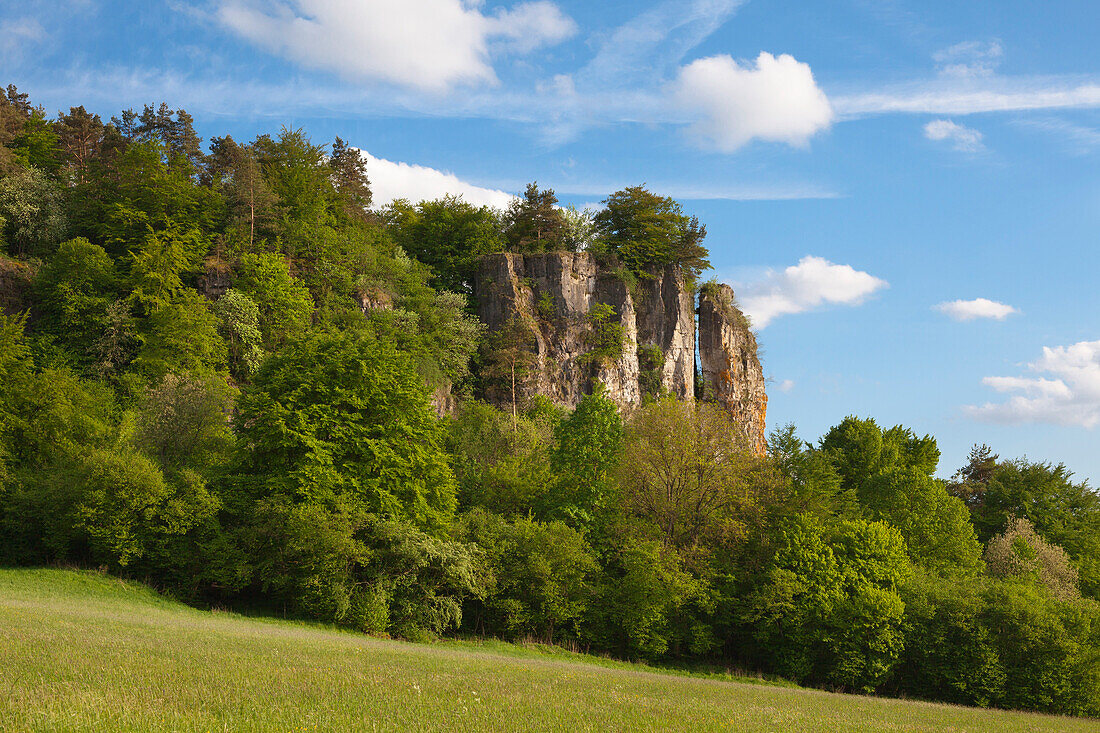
x=786, y=385
x=962, y=138
x=968, y=310
x=813, y=282
x=1070, y=395
x=390, y=181
x=429, y=45
x=774, y=99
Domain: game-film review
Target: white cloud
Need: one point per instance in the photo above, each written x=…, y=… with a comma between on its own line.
x=813, y=282
x=968, y=310
x=1069, y=396
x=969, y=59
x=973, y=96
x=390, y=181
x=786, y=385
x=775, y=99
x=430, y=45
x=962, y=138
x=531, y=25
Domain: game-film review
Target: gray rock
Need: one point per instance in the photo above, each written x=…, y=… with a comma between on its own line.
x=550, y=296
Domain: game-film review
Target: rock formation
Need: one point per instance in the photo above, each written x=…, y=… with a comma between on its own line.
x=730, y=367
x=547, y=301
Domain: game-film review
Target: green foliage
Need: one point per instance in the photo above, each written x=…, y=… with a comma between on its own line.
x=586, y=451
x=540, y=571
x=345, y=565
x=75, y=290
x=1064, y=512
x=239, y=324
x=283, y=302
x=501, y=464
x=343, y=416
x=812, y=483
x=295, y=170
x=1048, y=649
x=508, y=357
x=534, y=223
x=180, y=337
x=650, y=362
x=183, y=423
x=826, y=607
x=949, y=652
x=646, y=588
x=448, y=235
x=125, y=507
x=131, y=201
x=647, y=231
x=935, y=525
x=685, y=474
x=890, y=474
x=605, y=337
x=32, y=212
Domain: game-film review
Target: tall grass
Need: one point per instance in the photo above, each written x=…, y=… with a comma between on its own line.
x=86, y=652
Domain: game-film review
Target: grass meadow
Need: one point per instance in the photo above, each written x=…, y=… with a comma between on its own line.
x=81, y=651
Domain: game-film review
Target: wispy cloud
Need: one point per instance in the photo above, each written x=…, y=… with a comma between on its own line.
x=16, y=35
x=969, y=310
x=971, y=96
x=812, y=283
x=1070, y=395
x=1079, y=139
x=962, y=138
x=653, y=43
x=969, y=59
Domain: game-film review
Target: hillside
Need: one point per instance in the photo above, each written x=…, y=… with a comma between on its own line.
x=82, y=651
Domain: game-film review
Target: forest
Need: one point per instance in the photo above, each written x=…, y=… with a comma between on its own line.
x=217, y=369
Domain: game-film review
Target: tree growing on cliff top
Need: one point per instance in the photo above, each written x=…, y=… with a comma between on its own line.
x=647, y=231
x=534, y=223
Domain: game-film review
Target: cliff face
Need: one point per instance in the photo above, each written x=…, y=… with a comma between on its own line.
x=548, y=298
x=730, y=368
x=546, y=302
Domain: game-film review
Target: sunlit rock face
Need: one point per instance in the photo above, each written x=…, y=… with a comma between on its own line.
x=729, y=365
x=548, y=298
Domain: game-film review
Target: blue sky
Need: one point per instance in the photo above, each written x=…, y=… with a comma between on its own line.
x=904, y=194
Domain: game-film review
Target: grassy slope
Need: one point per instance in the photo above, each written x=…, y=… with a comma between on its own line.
x=80, y=651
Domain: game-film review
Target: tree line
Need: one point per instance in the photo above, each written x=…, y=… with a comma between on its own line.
x=277, y=448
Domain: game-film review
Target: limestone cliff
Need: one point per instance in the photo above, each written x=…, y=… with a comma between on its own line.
x=729, y=365
x=549, y=297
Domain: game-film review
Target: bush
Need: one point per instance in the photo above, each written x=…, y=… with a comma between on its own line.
x=949, y=653
x=540, y=573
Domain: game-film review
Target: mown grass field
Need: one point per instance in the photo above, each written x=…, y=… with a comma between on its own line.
x=82, y=651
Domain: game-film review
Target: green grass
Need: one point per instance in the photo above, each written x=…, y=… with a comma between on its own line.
x=82, y=651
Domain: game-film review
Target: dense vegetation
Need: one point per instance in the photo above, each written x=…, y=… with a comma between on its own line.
x=218, y=376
